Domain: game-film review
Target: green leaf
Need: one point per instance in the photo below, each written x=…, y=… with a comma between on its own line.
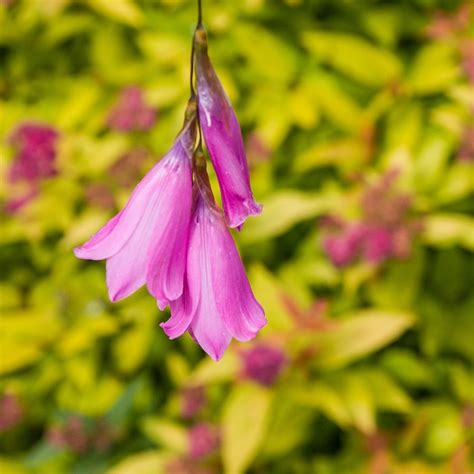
x=431, y=160
x=345, y=153
x=166, y=49
x=401, y=283
x=458, y=183
x=288, y=418
x=125, y=11
x=42, y=453
x=11, y=466
x=360, y=403
x=145, y=462
x=123, y=406
x=244, y=422
x=166, y=433
x=326, y=398
x=256, y=43
x=446, y=230
x=338, y=106
x=434, y=69
x=444, y=433
x=208, y=371
x=462, y=381
x=386, y=393
x=358, y=335
x=270, y=294
x=353, y=56
x=408, y=368
x=131, y=348
x=283, y=210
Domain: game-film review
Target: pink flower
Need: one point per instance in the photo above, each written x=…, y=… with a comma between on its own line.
x=343, y=249
x=223, y=138
x=203, y=439
x=193, y=400
x=11, y=412
x=146, y=242
x=72, y=435
x=217, y=303
x=263, y=363
x=131, y=112
x=35, y=146
x=377, y=244
x=466, y=148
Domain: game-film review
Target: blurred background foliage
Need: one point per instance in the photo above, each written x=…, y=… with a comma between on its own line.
x=358, y=121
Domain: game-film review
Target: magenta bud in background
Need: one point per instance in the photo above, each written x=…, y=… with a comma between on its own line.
x=132, y=112
x=193, y=400
x=263, y=363
x=224, y=141
x=35, y=156
x=35, y=146
x=203, y=440
x=11, y=412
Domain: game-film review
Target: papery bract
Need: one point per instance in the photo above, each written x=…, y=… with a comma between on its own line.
x=147, y=240
x=224, y=141
x=217, y=303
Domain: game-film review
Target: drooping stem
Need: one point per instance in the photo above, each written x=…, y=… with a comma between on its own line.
x=199, y=20
x=191, y=72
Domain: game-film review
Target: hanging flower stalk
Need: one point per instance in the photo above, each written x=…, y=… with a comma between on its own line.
x=173, y=237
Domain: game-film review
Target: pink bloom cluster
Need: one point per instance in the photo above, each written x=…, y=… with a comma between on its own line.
x=131, y=113
x=263, y=363
x=172, y=236
x=193, y=400
x=203, y=439
x=36, y=152
x=466, y=148
x=11, y=412
x=457, y=27
x=75, y=436
x=385, y=230
x=35, y=147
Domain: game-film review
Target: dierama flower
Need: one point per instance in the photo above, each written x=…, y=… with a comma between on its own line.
x=146, y=242
x=217, y=303
x=223, y=138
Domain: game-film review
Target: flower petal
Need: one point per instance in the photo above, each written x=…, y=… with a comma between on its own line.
x=224, y=141
x=126, y=270
x=114, y=235
x=166, y=265
x=217, y=302
x=182, y=312
x=235, y=302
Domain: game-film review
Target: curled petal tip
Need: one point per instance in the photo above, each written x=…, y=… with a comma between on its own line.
x=252, y=209
x=162, y=304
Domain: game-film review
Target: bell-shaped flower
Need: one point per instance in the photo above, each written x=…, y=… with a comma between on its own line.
x=223, y=138
x=146, y=241
x=217, y=303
